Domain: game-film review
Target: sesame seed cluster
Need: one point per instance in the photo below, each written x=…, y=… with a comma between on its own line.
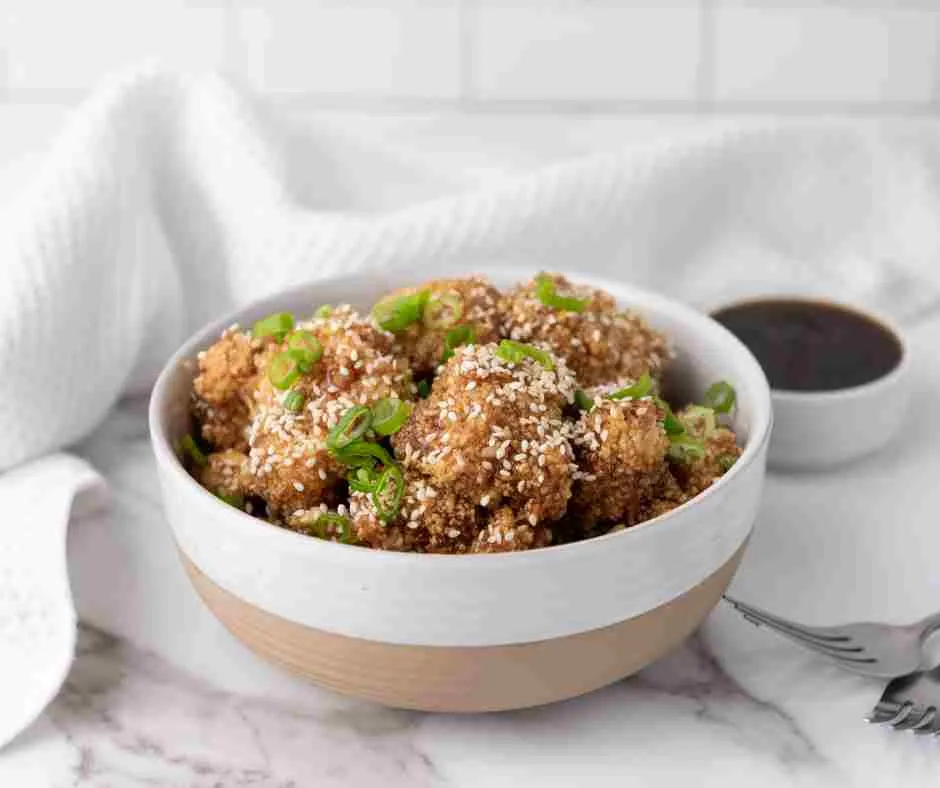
x=496, y=456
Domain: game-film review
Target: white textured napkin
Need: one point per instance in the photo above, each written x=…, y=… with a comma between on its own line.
x=167, y=201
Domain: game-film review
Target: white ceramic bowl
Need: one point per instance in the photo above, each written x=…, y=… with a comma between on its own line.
x=472, y=632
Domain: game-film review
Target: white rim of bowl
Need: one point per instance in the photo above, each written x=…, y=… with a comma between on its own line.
x=760, y=432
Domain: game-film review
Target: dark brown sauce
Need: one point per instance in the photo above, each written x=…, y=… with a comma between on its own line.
x=813, y=345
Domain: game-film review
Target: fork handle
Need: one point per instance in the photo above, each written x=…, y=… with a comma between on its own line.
x=930, y=649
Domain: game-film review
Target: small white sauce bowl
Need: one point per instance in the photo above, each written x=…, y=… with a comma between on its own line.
x=816, y=430
x=470, y=632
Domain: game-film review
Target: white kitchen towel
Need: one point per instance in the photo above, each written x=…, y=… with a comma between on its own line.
x=168, y=200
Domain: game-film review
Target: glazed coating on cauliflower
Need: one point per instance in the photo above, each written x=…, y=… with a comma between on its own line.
x=620, y=449
x=289, y=464
x=224, y=386
x=492, y=432
x=599, y=344
x=475, y=304
x=225, y=473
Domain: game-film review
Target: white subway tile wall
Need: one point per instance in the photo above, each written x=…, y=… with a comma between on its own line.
x=871, y=56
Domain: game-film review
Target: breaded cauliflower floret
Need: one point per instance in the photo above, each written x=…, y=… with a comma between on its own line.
x=289, y=463
x=225, y=473
x=224, y=385
x=697, y=473
x=492, y=432
x=477, y=302
x=599, y=344
x=431, y=519
x=504, y=533
x=620, y=449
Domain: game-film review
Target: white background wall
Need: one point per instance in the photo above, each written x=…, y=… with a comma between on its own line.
x=859, y=56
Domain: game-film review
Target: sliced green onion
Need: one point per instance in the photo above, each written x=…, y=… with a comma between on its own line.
x=547, y=293
x=294, y=401
x=726, y=462
x=699, y=420
x=424, y=389
x=396, y=313
x=443, y=310
x=363, y=454
x=671, y=424
x=336, y=522
x=388, y=492
x=582, y=400
x=235, y=499
x=389, y=415
x=461, y=335
x=190, y=447
x=352, y=426
x=363, y=480
x=323, y=311
x=306, y=348
x=720, y=397
x=641, y=388
x=513, y=352
x=283, y=370
x=276, y=325
x=685, y=448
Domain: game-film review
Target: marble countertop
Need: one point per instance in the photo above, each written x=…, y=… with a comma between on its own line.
x=161, y=694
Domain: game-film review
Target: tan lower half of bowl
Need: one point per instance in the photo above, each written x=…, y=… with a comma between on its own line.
x=466, y=679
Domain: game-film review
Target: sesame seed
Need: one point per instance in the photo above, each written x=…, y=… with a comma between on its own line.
x=299, y=486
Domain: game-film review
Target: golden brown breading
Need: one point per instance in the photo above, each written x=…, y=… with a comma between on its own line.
x=432, y=519
x=696, y=474
x=424, y=345
x=620, y=449
x=225, y=473
x=223, y=388
x=504, y=533
x=492, y=432
x=289, y=464
x=600, y=344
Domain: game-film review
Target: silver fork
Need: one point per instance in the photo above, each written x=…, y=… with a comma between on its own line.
x=883, y=650
x=910, y=703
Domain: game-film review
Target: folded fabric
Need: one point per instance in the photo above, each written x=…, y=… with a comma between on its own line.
x=168, y=200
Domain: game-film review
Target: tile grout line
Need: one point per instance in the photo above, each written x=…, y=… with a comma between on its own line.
x=705, y=87
x=467, y=42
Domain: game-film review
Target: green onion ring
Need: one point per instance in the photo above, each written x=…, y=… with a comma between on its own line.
x=639, y=389
x=294, y=401
x=277, y=325
x=443, y=310
x=235, y=499
x=389, y=415
x=363, y=480
x=396, y=313
x=339, y=522
x=671, y=424
x=720, y=397
x=323, y=311
x=513, y=352
x=726, y=462
x=685, y=448
x=283, y=370
x=582, y=400
x=362, y=453
x=391, y=476
x=460, y=335
x=191, y=448
x=351, y=427
x=693, y=415
x=306, y=348
x=424, y=389
x=547, y=293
